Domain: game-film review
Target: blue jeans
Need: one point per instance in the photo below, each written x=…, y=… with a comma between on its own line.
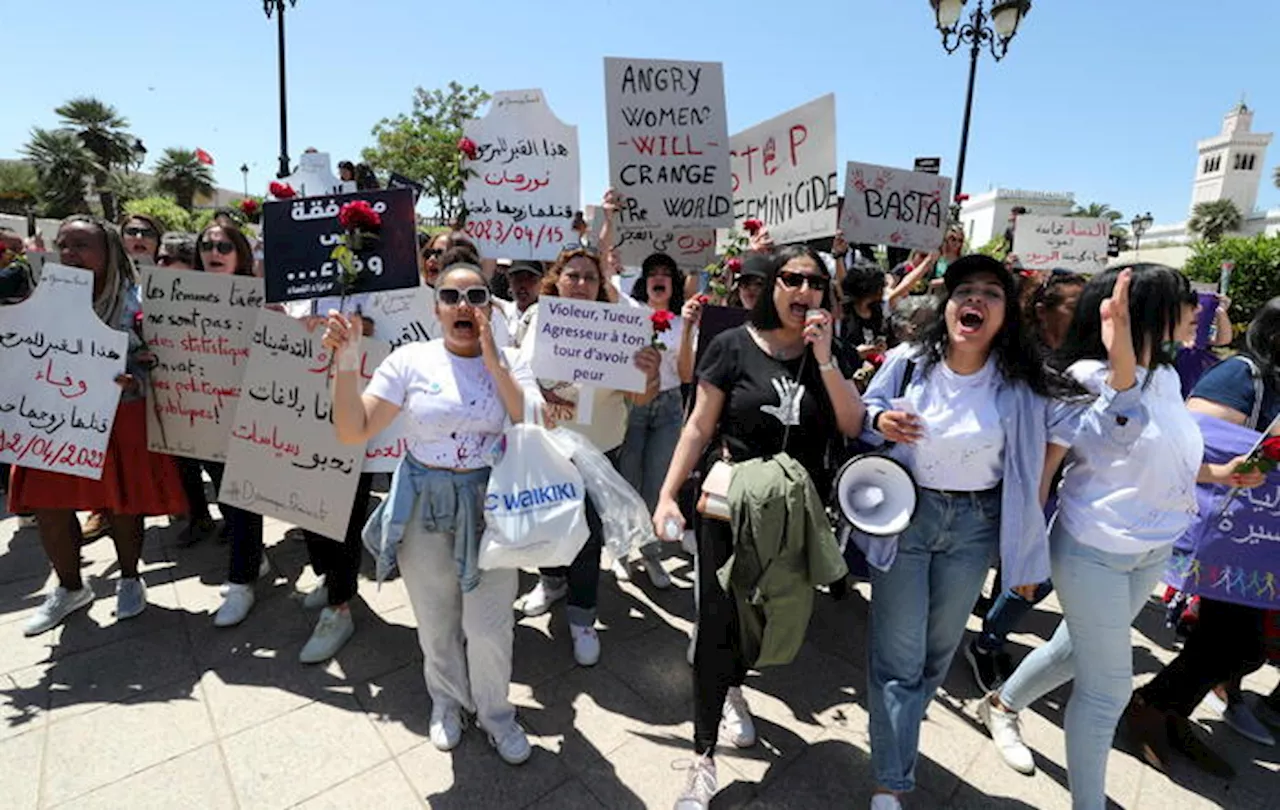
x=1005, y=616
x=918, y=613
x=1101, y=594
x=652, y=433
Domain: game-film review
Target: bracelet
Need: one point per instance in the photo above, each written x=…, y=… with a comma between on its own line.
x=830, y=365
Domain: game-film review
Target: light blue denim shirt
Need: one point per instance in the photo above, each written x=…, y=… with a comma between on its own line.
x=1113, y=419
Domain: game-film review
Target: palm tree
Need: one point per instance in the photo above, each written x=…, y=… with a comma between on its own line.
x=19, y=186
x=1214, y=218
x=180, y=173
x=62, y=163
x=103, y=131
x=1097, y=211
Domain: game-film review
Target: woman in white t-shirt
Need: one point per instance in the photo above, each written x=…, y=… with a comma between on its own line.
x=457, y=395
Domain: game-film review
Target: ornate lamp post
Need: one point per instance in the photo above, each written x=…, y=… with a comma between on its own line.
x=1140, y=225
x=278, y=6
x=139, y=153
x=995, y=29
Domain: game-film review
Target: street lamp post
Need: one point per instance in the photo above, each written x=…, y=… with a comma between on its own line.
x=1004, y=18
x=244, y=170
x=277, y=6
x=1140, y=225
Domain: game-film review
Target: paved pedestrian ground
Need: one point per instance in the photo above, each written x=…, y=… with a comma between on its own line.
x=167, y=711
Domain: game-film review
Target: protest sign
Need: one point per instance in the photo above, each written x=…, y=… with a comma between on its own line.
x=409, y=316
x=784, y=173
x=894, y=207
x=669, y=143
x=1072, y=243
x=590, y=343
x=60, y=362
x=283, y=458
x=300, y=236
x=397, y=180
x=523, y=191
x=198, y=326
x=692, y=248
x=1231, y=554
x=314, y=177
x=928, y=165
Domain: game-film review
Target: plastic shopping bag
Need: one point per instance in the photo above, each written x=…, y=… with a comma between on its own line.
x=534, y=511
x=623, y=514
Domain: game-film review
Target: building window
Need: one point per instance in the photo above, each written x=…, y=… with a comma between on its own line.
x=1248, y=162
x=1212, y=164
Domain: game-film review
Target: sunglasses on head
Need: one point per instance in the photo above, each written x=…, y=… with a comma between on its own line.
x=225, y=248
x=793, y=281
x=452, y=296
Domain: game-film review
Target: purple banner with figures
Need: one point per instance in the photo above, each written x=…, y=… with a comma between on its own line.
x=1231, y=555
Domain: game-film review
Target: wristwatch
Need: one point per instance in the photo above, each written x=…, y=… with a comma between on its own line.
x=830, y=365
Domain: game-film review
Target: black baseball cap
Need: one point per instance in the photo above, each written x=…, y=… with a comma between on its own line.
x=973, y=264
x=756, y=264
x=525, y=267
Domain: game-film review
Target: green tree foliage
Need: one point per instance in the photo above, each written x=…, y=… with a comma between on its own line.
x=423, y=144
x=125, y=186
x=1213, y=219
x=171, y=215
x=62, y=164
x=1253, y=281
x=19, y=186
x=180, y=173
x=104, y=132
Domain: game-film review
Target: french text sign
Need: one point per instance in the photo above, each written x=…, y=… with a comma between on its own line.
x=1073, y=243
x=60, y=362
x=784, y=173
x=523, y=192
x=590, y=343
x=669, y=143
x=300, y=235
x=198, y=326
x=894, y=207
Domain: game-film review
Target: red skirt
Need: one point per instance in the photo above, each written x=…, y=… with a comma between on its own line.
x=134, y=480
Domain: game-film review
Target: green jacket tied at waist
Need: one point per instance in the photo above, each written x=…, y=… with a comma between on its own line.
x=783, y=546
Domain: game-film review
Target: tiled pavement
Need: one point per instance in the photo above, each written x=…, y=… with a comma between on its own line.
x=166, y=711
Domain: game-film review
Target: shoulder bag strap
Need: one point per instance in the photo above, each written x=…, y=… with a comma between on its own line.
x=1255, y=414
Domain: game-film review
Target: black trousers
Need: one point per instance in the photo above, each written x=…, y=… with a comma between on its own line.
x=339, y=562
x=1225, y=645
x=717, y=657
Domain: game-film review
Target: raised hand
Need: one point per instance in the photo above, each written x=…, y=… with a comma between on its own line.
x=1117, y=334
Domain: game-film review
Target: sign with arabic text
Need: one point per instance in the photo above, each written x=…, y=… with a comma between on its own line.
x=58, y=402
x=523, y=191
x=668, y=143
x=691, y=248
x=1073, y=243
x=590, y=343
x=894, y=207
x=299, y=237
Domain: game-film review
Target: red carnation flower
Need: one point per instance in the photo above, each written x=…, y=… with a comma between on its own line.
x=249, y=206
x=661, y=320
x=1271, y=448
x=702, y=299
x=359, y=215
x=467, y=147
x=962, y=198
x=752, y=226
x=281, y=191
x=733, y=264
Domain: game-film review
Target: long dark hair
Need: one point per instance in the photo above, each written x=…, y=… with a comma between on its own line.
x=244, y=252
x=863, y=281
x=765, y=315
x=1049, y=294
x=1157, y=295
x=1262, y=342
x=656, y=261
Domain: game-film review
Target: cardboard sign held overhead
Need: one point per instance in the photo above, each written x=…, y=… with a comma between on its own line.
x=60, y=362
x=894, y=207
x=1072, y=243
x=521, y=200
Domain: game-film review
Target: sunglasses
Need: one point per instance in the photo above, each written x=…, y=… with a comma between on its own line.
x=793, y=281
x=452, y=296
x=140, y=233
x=432, y=253
x=225, y=248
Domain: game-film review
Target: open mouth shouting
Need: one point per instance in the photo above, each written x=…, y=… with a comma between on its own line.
x=970, y=319
x=465, y=327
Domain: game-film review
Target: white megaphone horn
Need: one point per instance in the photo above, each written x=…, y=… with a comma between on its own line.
x=876, y=494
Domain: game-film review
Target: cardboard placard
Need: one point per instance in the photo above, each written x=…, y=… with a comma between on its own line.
x=524, y=192
x=60, y=362
x=692, y=249
x=894, y=207
x=1072, y=243
x=590, y=343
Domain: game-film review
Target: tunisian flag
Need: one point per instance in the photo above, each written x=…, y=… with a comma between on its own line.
x=204, y=157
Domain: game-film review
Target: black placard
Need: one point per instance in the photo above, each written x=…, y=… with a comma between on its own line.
x=299, y=236
x=929, y=165
x=397, y=180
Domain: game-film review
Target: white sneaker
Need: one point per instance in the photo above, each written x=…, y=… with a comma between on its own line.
x=1243, y=721
x=885, y=801
x=334, y=629
x=236, y=602
x=513, y=747
x=131, y=597
x=317, y=597
x=621, y=571
x=701, y=787
x=446, y=727
x=735, y=719
x=658, y=575
x=586, y=645
x=1003, y=727
x=539, y=600
x=57, y=606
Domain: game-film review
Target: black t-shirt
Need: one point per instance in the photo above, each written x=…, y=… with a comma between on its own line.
x=761, y=396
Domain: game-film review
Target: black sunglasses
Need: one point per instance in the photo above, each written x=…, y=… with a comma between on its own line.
x=140, y=233
x=431, y=253
x=452, y=296
x=225, y=248
x=793, y=281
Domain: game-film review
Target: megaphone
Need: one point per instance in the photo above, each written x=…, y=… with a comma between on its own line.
x=876, y=494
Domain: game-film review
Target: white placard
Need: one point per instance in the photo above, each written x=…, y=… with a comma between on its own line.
x=198, y=326
x=58, y=402
x=590, y=343
x=894, y=207
x=668, y=143
x=1073, y=243
x=314, y=177
x=284, y=459
x=784, y=173
x=692, y=249
x=523, y=194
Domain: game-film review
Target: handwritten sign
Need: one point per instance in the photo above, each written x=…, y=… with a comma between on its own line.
x=283, y=458
x=669, y=143
x=60, y=362
x=198, y=326
x=692, y=249
x=1074, y=243
x=784, y=173
x=894, y=207
x=524, y=191
x=301, y=234
x=590, y=343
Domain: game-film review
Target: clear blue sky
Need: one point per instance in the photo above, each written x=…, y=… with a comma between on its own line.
x=1104, y=98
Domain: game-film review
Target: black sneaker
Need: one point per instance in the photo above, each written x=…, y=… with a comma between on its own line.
x=985, y=667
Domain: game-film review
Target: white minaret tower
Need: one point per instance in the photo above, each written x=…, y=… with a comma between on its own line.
x=1230, y=164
